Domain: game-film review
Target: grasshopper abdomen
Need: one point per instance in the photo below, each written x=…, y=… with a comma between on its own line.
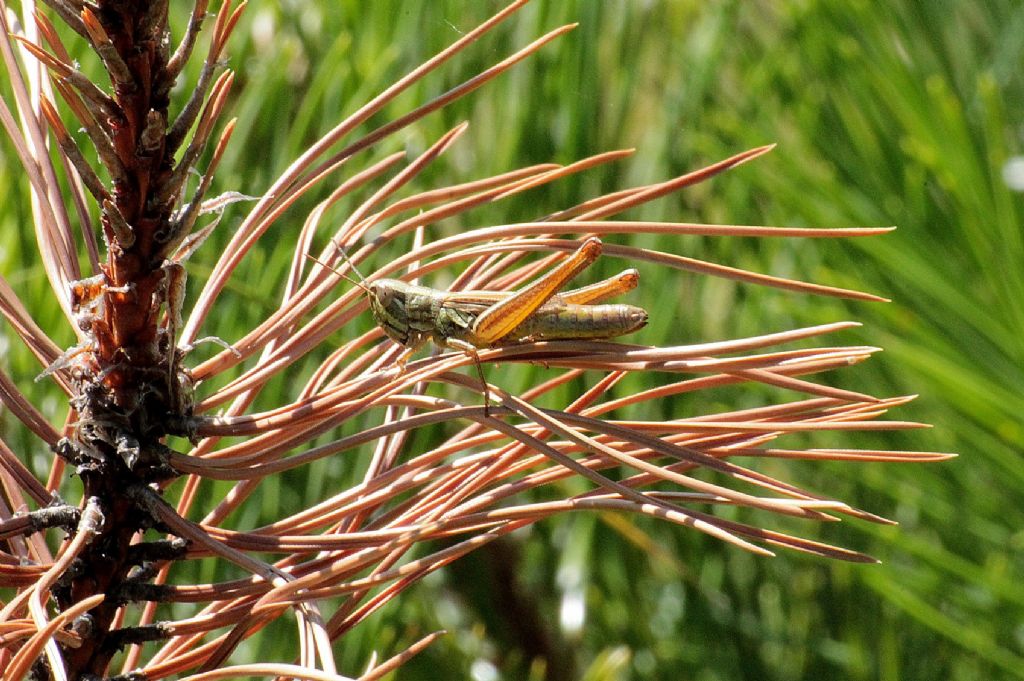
x=578, y=322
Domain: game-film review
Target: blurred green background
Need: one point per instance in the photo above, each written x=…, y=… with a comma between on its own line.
x=886, y=113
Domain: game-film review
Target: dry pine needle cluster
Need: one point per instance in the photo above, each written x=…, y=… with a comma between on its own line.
x=88, y=587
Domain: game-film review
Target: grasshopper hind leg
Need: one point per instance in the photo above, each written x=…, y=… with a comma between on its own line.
x=469, y=349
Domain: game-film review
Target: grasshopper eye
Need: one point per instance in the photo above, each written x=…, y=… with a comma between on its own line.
x=382, y=293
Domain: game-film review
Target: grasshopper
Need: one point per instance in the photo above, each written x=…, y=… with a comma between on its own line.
x=470, y=320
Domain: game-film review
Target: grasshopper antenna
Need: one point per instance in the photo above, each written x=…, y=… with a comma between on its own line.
x=344, y=254
x=347, y=278
x=362, y=280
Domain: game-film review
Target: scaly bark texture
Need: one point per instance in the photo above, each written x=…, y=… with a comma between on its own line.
x=129, y=385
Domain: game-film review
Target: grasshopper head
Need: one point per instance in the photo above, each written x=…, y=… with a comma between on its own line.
x=389, y=303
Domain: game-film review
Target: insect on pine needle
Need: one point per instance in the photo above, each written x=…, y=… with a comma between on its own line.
x=470, y=320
